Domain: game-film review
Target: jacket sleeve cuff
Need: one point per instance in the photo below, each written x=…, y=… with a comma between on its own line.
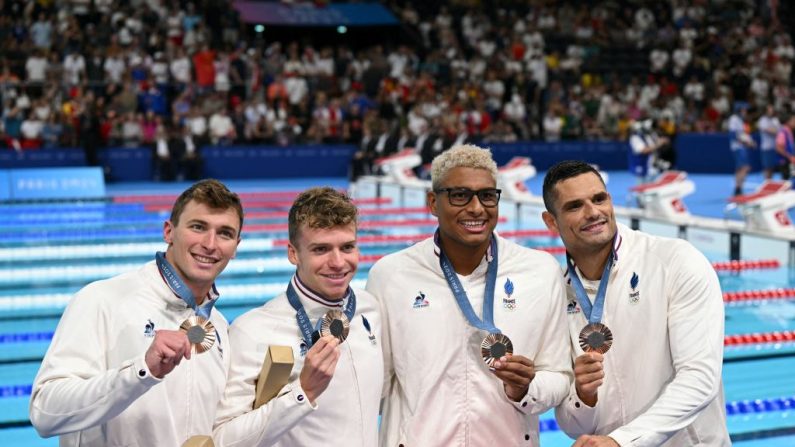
x=576, y=407
x=299, y=396
x=142, y=373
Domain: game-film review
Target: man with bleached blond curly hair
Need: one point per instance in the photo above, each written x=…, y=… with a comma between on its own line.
x=474, y=340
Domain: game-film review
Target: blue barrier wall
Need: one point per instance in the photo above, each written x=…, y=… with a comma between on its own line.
x=42, y=158
x=608, y=155
x=698, y=153
x=236, y=162
x=709, y=153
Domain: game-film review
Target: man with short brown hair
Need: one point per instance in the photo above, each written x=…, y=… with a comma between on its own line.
x=119, y=370
x=334, y=389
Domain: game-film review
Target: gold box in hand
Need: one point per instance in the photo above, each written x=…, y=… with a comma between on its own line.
x=275, y=373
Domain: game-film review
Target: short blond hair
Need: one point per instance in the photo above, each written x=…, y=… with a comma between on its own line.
x=461, y=156
x=323, y=208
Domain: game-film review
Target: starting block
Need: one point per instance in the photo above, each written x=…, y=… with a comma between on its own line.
x=663, y=196
x=512, y=176
x=766, y=208
x=399, y=168
x=399, y=182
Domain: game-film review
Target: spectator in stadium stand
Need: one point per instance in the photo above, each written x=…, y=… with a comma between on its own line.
x=740, y=142
x=203, y=65
x=667, y=131
x=31, y=129
x=52, y=131
x=165, y=162
x=222, y=130
x=785, y=144
x=768, y=126
x=12, y=125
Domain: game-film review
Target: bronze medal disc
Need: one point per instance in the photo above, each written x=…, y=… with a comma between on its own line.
x=200, y=332
x=596, y=337
x=495, y=346
x=336, y=324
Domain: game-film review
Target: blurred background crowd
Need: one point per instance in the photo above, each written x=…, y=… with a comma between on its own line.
x=95, y=73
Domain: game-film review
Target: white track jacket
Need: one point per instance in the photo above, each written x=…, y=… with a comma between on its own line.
x=439, y=392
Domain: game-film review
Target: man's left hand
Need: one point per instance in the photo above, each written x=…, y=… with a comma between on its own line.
x=516, y=373
x=595, y=441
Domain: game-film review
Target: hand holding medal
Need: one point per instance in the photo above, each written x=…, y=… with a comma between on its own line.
x=166, y=351
x=494, y=347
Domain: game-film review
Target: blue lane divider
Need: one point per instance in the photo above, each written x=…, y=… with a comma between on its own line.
x=26, y=337
x=755, y=406
x=80, y=235
x=760, y=405
x=15, y=391
x=71, y=219
x=57, y=208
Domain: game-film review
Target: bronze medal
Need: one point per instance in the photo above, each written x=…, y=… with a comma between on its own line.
x=495, y=346
x=596, y=337
x=200, y=332
x=336, y=324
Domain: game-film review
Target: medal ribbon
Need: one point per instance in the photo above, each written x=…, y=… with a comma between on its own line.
x=303, y=319
x=592, y=312
x=487, y=323
x=178, y=286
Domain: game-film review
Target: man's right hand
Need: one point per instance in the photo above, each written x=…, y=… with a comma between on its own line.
x=588, y=376
x=166, y=351
x=319, y=367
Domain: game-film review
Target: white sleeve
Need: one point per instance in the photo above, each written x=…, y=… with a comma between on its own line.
x=74, y=390
x=552, y=363
x=373, y=288
x=695, y=325
x=238, y=423
x=574, y=417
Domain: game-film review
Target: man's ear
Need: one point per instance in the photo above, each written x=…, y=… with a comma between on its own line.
x=550, y=222
x=292, y=253
x=168, y=232
x=430, y=200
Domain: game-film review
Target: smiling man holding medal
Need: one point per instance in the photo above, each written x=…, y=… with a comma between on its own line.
x=332, y=395
x=474, y=343
x=138, y=359
x=645, y=321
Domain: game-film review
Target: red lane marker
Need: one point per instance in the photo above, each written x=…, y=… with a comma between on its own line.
x=746, y=265
x=759, y=337
x=170, y=198
x=751, y=295
x=154, y=207
x=362, y=212
x=367, y=259
x=362, y=225
x=375, y=239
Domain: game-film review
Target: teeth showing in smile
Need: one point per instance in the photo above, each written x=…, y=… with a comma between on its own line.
x=336, y=276
x=592, y=226
x=203, y=259
x=473, y=223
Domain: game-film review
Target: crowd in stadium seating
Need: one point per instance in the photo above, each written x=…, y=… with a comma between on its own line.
x=117, y=73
